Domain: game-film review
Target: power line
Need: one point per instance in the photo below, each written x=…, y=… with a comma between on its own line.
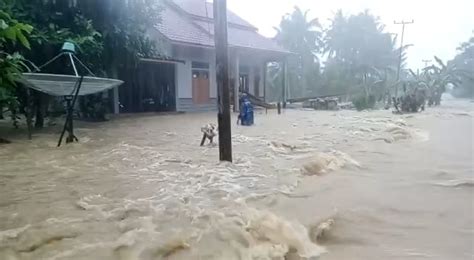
x=403, y=23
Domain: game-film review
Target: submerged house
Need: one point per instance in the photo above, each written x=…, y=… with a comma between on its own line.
x=186, y=79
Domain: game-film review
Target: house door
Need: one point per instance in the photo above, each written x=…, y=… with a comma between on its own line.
x=201, y=86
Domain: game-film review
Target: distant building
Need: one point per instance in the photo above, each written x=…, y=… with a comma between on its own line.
x=185, y=80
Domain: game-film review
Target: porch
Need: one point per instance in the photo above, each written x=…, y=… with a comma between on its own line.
x=187, y=82
x=196, y=76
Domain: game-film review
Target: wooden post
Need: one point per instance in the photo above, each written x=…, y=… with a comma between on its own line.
x=222, y=74
x=285, y=83
x=28, y=110
x=236, y=71
x=264, y=82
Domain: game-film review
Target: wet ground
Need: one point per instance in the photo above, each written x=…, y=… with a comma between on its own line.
x=305, y=184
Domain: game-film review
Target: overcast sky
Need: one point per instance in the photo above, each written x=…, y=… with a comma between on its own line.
x=440, y=25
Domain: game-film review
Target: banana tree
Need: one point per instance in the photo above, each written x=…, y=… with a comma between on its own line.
x=438, y=77
x=302, y=36
x=274, y=81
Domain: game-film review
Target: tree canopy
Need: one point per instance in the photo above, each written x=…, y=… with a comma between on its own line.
x=360, y=56
x=359, y=47
x=302, y=36
x=13, y=34
x=464, y=61
x=110, y=35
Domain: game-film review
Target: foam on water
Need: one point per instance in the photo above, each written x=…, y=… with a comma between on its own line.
x=469, y=184
x=322, y=163
x=148, y=191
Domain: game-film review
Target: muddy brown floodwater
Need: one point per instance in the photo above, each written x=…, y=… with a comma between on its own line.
x=304, y=185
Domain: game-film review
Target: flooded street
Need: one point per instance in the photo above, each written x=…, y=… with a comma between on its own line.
x=305, y=184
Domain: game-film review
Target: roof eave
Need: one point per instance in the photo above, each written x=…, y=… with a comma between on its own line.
x=279, y=52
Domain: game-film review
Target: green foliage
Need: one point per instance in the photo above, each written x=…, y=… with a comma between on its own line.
x=54, y=23
x=363, y=102
x=464, y=62
x=13, y=31
x=359, y=49
x=109, y=34
x=12, y=34
x=361, y=56
x=303, y=37
x=123, y=25
x=435, y=79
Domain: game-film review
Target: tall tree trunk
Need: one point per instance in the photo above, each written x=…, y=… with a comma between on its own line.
x=41, y=106
x=39, y=118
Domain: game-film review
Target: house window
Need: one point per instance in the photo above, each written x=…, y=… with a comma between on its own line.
x=200, y=65
x=200, y=70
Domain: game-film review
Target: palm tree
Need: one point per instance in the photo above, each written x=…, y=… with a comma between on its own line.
x=302, y=36
x=335, y=41
x=363, y=50
x=298, y=34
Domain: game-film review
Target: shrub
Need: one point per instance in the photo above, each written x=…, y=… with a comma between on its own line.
x=363, y=102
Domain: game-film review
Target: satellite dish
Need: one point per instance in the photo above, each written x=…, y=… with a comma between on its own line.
x=62, y=84
x=67, y=86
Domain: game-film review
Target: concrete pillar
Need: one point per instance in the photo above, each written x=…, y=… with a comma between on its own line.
x=260, y=86
x=284, y=96
x=236, y=82
x=252, y=80
x=286, y=83
x=264, y=81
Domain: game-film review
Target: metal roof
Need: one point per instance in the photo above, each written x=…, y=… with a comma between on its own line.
x=204, y=9
x=191, y=22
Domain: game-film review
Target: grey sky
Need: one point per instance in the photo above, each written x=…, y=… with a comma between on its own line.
x=439, y=26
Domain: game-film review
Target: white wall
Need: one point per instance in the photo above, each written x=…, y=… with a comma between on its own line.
x=184, y=79
x=184, y=71
x=212, y=76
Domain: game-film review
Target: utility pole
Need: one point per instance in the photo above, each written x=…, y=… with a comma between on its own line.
x=403, y=23
x=222, y=72
x=426, y=62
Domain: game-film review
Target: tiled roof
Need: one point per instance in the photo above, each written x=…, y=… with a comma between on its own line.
x=203, y=8
x=179, y=26
x=242, y=37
